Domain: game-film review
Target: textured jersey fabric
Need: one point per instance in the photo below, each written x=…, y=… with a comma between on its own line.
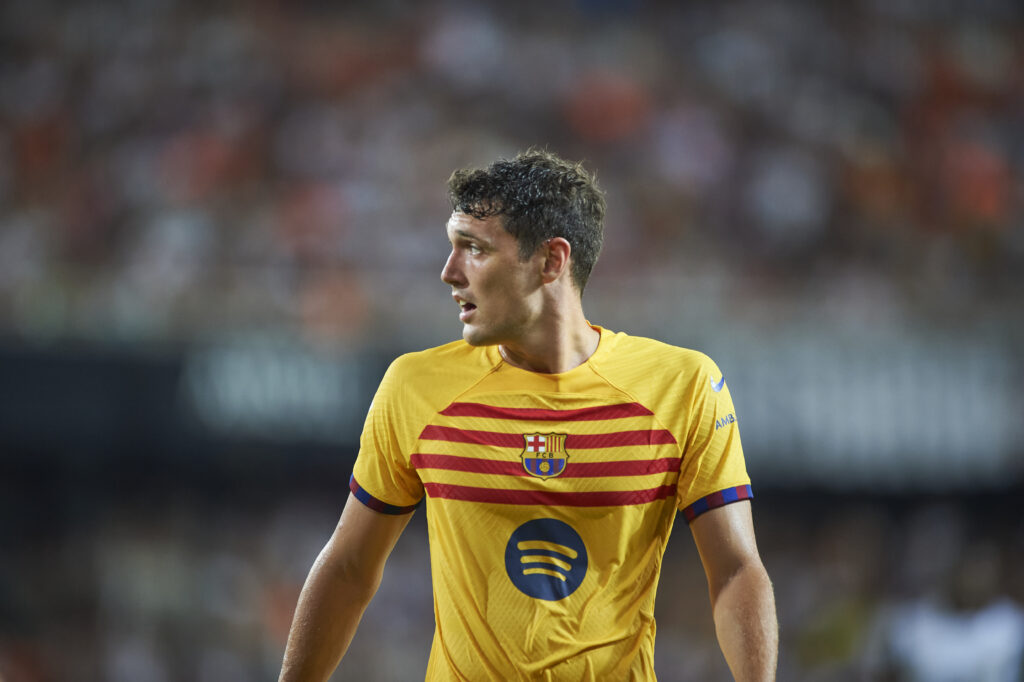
x=550, y=497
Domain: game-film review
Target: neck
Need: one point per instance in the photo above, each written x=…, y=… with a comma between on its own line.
x=566, y=342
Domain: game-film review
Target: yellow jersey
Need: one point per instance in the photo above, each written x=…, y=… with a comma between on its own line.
x=549, y=497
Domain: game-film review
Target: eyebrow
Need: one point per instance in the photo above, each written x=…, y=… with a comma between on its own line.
x=469, y=235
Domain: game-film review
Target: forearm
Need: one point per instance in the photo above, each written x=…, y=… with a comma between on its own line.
x=746, y=625
x=329, y=609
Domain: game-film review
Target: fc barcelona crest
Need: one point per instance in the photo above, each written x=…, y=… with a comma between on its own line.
x=544, y=454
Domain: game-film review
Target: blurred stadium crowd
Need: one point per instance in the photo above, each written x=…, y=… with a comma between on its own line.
x=174, y=170
x=780, y=175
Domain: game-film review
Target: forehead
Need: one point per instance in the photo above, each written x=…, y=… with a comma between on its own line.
x=488, y=229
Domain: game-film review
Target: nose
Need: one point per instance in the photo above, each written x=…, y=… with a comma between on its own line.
x=451, y=274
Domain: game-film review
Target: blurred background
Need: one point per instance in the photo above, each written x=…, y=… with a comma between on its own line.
x=220, y=221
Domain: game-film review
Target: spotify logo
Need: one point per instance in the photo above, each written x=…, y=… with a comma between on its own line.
x=546, y=559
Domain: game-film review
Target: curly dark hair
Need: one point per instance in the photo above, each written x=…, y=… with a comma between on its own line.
x=539, y=196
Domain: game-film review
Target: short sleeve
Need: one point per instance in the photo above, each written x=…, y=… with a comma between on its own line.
x=383, y=478
x=713, y=472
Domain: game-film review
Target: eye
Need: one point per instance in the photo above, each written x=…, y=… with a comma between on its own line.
x=474, y=249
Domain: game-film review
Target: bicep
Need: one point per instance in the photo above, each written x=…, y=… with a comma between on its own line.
x=725, y=541
x=363, y=538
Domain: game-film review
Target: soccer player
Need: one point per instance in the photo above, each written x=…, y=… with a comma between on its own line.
x=552, y=455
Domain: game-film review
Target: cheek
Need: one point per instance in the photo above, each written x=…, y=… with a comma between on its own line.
x=503, y=287
x=519, y=299
x=490, y=282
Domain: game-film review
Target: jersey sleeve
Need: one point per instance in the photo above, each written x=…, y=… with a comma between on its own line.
x=383, y=477
x=713, y=471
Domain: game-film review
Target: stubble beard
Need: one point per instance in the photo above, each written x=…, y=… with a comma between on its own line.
x=489, y=337
x=477, y=337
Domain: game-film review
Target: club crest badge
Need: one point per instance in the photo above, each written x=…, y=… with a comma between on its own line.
x=544, y=454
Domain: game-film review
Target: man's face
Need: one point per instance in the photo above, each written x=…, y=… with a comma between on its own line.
x=498, y=292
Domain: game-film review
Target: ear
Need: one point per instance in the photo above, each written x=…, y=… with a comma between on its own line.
x=556, y=259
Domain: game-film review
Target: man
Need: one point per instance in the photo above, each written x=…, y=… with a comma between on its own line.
x=553, y=455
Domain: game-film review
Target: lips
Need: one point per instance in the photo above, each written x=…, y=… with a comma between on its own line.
x=466, y=306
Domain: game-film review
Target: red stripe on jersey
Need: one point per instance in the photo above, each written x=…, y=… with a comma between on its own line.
x=611, y=440
x=596, y=413
x=470, y=464
x=640, y=467
x=573, y=441
x=617, y=498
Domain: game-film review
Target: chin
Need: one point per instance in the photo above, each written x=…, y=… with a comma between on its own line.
x=477, y=337
x=474, y=338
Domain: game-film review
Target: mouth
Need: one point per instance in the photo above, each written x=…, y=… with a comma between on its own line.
x=466, y=307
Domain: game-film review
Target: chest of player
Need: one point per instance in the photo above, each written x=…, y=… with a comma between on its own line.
x=577, y=450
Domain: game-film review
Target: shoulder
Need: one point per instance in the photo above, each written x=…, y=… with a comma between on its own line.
x=645, y=354
x=440, y=371
x=670, y=380
x=457, y=357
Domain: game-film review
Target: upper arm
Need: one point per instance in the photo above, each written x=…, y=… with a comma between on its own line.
x=363, y=539
x=725, y=540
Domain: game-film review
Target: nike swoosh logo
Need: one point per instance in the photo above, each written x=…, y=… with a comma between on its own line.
x=716, y=387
